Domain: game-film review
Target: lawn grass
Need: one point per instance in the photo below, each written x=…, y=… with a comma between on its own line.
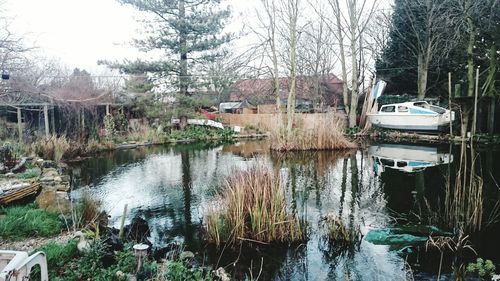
x=21, y=222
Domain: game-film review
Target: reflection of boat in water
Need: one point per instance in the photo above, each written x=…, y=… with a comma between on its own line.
x=406, y=158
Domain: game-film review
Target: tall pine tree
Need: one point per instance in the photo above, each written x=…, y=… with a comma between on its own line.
x=189, y=32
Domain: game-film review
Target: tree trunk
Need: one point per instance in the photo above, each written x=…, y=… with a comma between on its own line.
x=293, y=64
x=272, y=18
x=345, y=92
x=470, y=58
x=183, y=71
x=354, y=62
x=422, y=70
x=19, y=125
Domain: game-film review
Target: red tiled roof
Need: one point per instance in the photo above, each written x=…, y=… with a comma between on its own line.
x=260, y=91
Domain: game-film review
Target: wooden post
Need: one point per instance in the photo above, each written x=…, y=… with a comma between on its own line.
x=107, y=109
x=46, y=120
x=449, y=104
x=474, y=120
x=83, y=118
x=53, y=120
x=122, y=223
x=19, y=125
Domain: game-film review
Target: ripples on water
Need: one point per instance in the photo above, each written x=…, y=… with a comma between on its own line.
x=172, y=186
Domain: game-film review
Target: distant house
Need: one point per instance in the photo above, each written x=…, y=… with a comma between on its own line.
x=237, y=107
x=323, y=91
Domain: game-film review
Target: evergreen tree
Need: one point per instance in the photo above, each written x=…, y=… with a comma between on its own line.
x=188, y=31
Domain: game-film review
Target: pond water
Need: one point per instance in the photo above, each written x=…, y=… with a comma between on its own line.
x=384, y=185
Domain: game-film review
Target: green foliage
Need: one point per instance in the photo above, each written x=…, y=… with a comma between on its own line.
x=202, y=133
x=58, y=255
x=182, y=270
x=195, y=31
x=29, y=174
x=28, y=221
x=9, y=153
x=89, y=266
x=450, y=20
x=121, y=122
x=109, y=126
x=481, y=268
x=353, y=130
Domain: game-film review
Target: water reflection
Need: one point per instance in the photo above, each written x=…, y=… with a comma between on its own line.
x=172, y=186
x=406, y=158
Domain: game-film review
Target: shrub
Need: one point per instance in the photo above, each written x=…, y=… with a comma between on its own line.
x=485, y=269
x=253, y=208
x=28, y=221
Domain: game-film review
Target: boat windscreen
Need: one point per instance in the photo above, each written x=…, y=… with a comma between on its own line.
x=437, y=109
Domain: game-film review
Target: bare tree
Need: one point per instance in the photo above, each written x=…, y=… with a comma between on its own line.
x=425, y=31
x=350, y=24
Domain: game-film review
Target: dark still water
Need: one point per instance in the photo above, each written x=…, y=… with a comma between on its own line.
x=380, y=187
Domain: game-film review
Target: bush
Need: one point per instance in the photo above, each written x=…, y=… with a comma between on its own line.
x=484, y=269
x=28, y=221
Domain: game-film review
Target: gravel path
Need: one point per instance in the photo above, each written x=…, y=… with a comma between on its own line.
x=31, y=244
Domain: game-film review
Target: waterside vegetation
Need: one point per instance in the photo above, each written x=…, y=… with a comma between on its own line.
x=253, y=208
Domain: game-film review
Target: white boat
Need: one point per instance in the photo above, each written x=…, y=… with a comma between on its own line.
x=417, y=115
x=406, y=158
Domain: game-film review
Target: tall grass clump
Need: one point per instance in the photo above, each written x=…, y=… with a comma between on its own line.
x=336, y=234
x=22, y=222
x=53, y=147
x=87, y=214
x=252, y=207
x=311, y=132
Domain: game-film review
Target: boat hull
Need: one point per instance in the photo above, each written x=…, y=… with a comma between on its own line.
x=409, y=122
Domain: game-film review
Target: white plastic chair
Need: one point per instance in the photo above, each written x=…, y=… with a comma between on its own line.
x=16, y=266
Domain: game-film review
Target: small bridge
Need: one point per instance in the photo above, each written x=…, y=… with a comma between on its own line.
x=201, y=122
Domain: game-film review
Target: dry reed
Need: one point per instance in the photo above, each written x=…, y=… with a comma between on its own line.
x=253, y=208
x=310, y=132
x=53, y=147
x=464, y=202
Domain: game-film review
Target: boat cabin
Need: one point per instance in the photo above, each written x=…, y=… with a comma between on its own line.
x=418, y=107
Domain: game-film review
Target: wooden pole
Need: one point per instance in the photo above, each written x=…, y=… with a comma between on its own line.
x=19, y=125
x=53, y=120
x=475, y=104
x=46, y=120
x=107, y=109
x=122, y=223
x=449, y=103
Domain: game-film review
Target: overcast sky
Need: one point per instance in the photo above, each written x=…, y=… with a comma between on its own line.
x=80, y=32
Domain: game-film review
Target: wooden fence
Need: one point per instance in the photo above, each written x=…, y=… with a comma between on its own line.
x=269, y=121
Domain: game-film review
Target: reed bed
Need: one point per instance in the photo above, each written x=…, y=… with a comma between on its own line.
x=252, y=207
x=464, y=201
x=310, y=132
